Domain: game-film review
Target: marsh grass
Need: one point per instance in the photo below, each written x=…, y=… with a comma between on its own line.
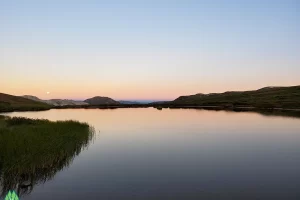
x=32, y=151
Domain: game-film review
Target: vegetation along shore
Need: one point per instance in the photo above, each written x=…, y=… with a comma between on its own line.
x=34, y=150
x=264, y=98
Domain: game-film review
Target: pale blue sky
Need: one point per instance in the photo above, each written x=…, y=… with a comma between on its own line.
x=147, y=49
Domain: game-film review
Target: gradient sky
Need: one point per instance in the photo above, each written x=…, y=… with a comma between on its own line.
x=154, y=50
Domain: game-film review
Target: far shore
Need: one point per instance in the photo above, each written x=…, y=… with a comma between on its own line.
x=158, y=106
x=174, y=107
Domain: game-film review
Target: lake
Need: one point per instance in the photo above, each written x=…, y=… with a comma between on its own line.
x=145, y=153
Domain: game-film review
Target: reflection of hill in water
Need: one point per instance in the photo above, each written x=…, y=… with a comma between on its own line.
x=282, y=113
x=275, y=112
x=294, y=113
x=32, y=153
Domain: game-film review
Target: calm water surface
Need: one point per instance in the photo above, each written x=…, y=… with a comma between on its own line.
x=178, y=154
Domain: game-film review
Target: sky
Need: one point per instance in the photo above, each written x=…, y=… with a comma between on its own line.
x=147, y=49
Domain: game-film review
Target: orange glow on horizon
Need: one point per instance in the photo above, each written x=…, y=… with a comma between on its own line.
x=147, y=90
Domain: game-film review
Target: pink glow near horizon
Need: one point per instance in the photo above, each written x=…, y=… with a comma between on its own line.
x=129, y=92
x=146, y=51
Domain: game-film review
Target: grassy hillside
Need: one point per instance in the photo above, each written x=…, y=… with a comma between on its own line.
x=269, y=97
x=101, y=101
x=14, y=103
x=33, y=151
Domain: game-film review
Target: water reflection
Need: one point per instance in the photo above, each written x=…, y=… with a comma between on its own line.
x=295, y=113
x=282, y=113
x=145, y=153
x=26, y=162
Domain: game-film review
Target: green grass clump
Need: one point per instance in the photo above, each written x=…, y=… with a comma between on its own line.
x=32, y=151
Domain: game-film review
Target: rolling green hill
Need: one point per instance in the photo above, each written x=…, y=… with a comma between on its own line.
x=268, y=97
x=101, y=101
x=10, y=103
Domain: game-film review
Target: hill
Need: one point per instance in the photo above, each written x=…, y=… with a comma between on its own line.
x=33, y=98
x=57, y=102
x=15, y=103
x=268, y=97
x=101, y=101
x=66, y=102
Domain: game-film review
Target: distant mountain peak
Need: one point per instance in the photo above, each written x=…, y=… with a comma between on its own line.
x=56, y=102
x=31, y=97
x=270, y=87
x=100, y=100
x=129, y=102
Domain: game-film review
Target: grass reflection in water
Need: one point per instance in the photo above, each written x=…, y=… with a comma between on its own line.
x=32, y=151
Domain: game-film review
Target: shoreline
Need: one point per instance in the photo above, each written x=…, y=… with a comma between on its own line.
x=176, y=106
x=160, y=107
